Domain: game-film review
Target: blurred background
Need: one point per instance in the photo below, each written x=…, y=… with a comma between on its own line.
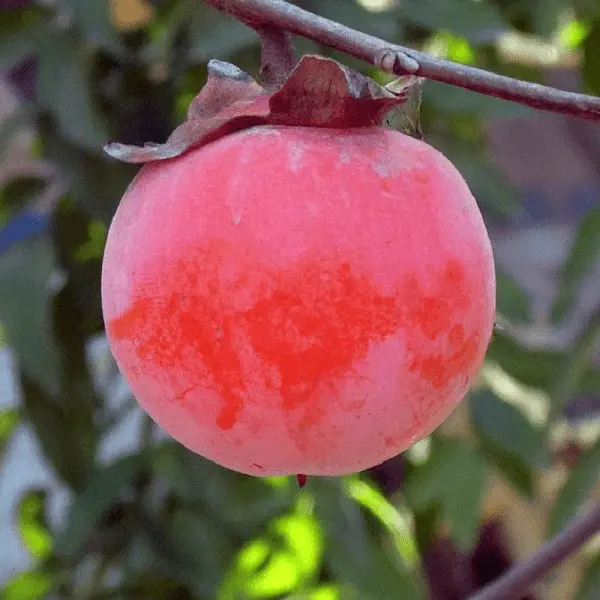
x=95, y=502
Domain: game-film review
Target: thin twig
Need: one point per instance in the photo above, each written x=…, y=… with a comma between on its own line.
x=401, y=60
x=521, y=577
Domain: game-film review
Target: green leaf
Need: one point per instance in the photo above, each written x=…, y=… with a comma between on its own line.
x=590, y=69
x=195, y=550
x=590, y=582
x=512, y=302
x=579, y=485
x=212, y=34
x=25, y=278
x=531, y=366
x=454, y=479
x=102, y=489
x=396, y=524
x=352, y=14
x=64, y=436
x=204, y=485
x=65, y=88
x=456, y=101
x=462, y=17
x=507, y=428
x=287, y=558
x=31, y=521
x=13, y=124
x=19, y=30
x=568, y=378
x=93, y=19
x=10, y=419
x=30, y=585
x=584, y=254
x=353, y=555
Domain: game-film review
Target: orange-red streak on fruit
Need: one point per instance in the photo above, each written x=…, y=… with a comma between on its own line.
x=310, y=324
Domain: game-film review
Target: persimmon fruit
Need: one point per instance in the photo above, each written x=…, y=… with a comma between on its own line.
x=306, y=300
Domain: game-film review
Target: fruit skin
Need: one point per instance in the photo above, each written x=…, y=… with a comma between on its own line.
x=298, y=300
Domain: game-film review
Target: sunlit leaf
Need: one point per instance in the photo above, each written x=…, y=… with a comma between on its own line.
x=392, y=519
x=582, y=479
x=286, y=558
x=583, y=255
x=30, y=585
x=10, y=419
x=355, y=557
x=31, y=521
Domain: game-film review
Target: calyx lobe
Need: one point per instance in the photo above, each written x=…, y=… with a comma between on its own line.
x=319, y=92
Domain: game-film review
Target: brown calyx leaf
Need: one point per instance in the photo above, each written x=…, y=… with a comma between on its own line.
x=319, y=92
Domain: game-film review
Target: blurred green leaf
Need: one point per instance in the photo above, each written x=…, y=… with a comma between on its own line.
x=590, y=582
x=567, y=380
x=452, y=100
x=19, y=191
x=65, y=88
x=385, y=24
x=590, y=68
x=66, y=445
x=19, y=30
x=214, y=35
x=96, y=183
x=453, y=478
x=355, y=557
x=512, y=302
x=103, y=488
x=584, y=254
x=93, y=19
x=10, y=419
x=582, y=479
x=462, y=17
x=31, y=521
x=29, y=585
x=25, y=272
x=205, y=486
x=498, y=421
x=519, y=473
x=198, y=550
x=13, y=124
x=531, y=366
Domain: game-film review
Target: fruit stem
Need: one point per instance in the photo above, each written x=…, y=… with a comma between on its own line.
x=278, y=56
x=402, y=61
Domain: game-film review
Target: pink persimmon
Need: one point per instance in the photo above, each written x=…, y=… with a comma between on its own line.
x=299, y=300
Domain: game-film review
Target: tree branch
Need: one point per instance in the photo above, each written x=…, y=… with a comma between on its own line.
x=402, y=61
x=520, y=578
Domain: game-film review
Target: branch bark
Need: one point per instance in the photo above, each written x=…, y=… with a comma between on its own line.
x=402, y=61
x=521, y=577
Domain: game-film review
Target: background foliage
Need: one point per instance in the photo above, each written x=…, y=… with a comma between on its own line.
x=159, y=522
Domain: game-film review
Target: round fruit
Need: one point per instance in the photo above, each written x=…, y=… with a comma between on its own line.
x=298, y=300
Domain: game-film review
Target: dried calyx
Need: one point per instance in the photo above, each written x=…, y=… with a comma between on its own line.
x=313, y=92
